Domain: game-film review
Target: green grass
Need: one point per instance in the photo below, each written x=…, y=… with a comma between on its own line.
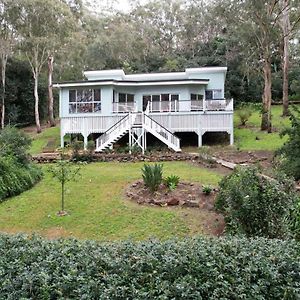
x=251, y=138
x=98, y=208
x=41, y=140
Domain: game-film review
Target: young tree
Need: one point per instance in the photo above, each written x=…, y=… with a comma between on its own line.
x=64, y=171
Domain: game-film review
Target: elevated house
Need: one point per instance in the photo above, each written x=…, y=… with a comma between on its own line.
x=114, y=104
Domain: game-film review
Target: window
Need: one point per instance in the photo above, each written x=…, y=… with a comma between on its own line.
x=84, y=101
x=213, y=94
x=162, y=102
x=124, y=98
x=196, y=97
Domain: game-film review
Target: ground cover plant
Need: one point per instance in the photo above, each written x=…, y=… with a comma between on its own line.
x=199, y=268
x=98, y=208
x=255, y=205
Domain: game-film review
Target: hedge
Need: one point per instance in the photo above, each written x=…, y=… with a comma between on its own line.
x=16, y=178
x=199, y=268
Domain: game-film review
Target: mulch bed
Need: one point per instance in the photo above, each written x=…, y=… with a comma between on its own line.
x=185, y=195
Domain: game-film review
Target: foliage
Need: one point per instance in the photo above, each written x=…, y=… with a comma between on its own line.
x=14, y=142
x=64, y=171
x=16, y=178
x=76, y=147
x=171, y=181
x=295, y=220
x=152, y=176
x=197, y=268
x=17, y=174
x=244, y=113
x=255, y=205
x=207, y=189
x=291, y=148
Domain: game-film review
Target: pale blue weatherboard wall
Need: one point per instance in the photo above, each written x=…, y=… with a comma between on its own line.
x=216, y=81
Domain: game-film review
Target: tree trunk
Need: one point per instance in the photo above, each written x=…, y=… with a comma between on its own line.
x=285, y=67
x=50, y=91
x=62, y=196
x=267, y=96
x=36, y=105
x=3, y=75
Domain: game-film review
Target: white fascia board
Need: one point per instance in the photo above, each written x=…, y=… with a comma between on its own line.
x=95, y=83
x=206, y=70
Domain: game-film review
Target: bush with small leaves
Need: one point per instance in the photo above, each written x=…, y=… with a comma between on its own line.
x=152, y=176
x=255, y=205
x=199, y=268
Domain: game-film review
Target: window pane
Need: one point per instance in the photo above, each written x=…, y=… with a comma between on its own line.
x=87, y=96
x=84, y=107
x=130, y=98
x=122, y=97
x=97, y=107
x=199, y=97
x=193, y=97
x=155, y=97
x=164, y=97
x=97, y=95
x=146, y=98
x=174, y=97
x=72, y=108
x=79, y=97
x=217, y=94
x=208, y=95
x=72, y=96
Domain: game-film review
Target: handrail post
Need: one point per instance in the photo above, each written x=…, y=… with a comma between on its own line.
x=204, y=102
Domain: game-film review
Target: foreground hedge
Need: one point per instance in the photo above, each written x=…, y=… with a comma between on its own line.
x=190, y=269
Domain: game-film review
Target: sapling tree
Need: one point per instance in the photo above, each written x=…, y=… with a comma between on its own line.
x=64, y=171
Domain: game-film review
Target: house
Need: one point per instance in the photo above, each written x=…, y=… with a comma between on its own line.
x=113, y=104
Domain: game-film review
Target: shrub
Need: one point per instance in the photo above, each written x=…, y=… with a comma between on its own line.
x=290, y=151
x=254, y=205
x=15, y=143
x=244, y=114
x=206, y=189
x=152, y=176
x=16, y=178
x=201, y=268
x=172, y=181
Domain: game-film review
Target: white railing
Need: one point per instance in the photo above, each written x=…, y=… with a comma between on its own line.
x=191, y=105
x=114, y=131
x=164, y=134
x=121, y=107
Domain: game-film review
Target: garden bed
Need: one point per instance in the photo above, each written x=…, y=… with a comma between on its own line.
x=185, y=195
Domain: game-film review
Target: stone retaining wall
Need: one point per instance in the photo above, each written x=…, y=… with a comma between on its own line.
x=154, y=157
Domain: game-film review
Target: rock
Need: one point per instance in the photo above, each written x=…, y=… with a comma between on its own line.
x=172, y=201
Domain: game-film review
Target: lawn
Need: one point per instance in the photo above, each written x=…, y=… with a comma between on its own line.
x=43, y=139
x=251, y=138
x=98, y=208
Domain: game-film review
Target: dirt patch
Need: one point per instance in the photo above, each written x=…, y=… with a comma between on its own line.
x=55, y=232
x=261, y=157
x=197, y=208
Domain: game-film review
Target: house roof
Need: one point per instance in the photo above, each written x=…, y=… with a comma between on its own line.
x=130, y=82
x=119, y=78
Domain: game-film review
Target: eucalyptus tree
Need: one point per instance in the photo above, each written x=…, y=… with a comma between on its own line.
x=290, y=21
x=41, y=26
x=7, y=41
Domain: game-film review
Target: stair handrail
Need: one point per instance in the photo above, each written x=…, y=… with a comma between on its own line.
x=174, y=139
x=105, y=136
